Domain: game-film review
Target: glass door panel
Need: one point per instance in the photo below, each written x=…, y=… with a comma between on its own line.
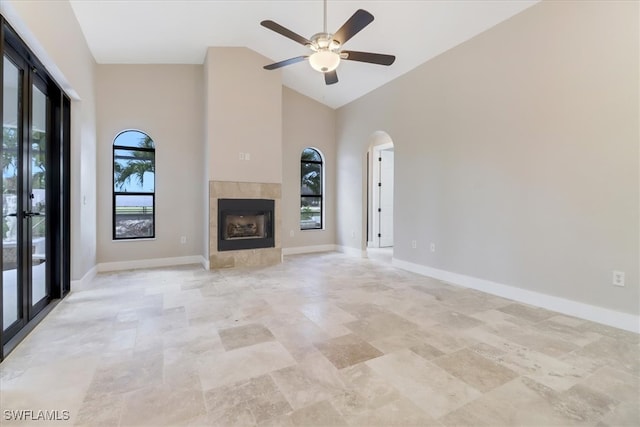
x=11, y=124
x=36, y=217
x=35, y=190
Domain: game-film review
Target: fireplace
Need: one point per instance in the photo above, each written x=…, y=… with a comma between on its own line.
x=245, y=224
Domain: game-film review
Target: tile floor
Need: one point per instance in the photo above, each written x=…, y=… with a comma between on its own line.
x=321, y=339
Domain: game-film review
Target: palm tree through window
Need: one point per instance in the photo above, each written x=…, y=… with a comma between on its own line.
x=134, y=168
x=311, y=182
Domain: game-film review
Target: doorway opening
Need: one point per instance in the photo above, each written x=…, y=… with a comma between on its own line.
x=380, y=197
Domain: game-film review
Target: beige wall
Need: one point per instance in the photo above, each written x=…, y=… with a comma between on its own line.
x=67, y=57
x=164, y=101
x=516, y=154
x=244, y=115
x=306, y=123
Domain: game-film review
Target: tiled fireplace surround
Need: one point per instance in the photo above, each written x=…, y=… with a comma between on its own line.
x=247, y=257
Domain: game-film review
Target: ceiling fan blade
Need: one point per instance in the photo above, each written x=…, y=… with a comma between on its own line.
x=373, y=58
x=353, y=26
x=285, y=62
x=331, y=77
x=273, y=26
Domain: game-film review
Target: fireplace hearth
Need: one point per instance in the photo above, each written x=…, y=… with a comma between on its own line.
x=245, y=224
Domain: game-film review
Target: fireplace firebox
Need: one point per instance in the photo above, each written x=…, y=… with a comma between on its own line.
x=245, y=224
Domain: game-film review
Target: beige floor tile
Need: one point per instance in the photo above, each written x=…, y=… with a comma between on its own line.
x=536, y=404
x=347, y=350
x=398, y=413
x=550, y=345
x=550, y=371
x=161, y=406
x=243, y=336
x=323, y=312
x=416, y=341
x=481, y=373
x=428, y=386
x=616, y=353
x=557, y=327
x=446, y=339
x=626, y=414
x=243, y=363
x=494, y=316
x=320, y=414
x=238, y=416
x=608, y=331
x=470, y=302
x=328, y=317
x=485, y=411
x=103, y=412
x=527, y=312
x=364, y=391
x=583, y=404
x=58, y=386
x=427, y=351
x=115, y=376
x=260, y=395
x=456, y=320
x=313, y=380
x=439, y=291
x=521, y=402
x=617, y=384
x=380, y=325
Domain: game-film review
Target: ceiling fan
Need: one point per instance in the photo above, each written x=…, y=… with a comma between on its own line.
x=327, y=48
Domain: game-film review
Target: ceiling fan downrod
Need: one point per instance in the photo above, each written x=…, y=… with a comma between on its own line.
x=325, y=17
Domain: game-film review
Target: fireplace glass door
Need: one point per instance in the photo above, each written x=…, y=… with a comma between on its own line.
x=245, y=224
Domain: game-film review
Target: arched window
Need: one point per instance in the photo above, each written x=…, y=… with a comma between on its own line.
x=311, y=183
x=134, y=168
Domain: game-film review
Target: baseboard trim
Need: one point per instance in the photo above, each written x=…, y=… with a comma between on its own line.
x=205, y=262
x=149, y=263
x=626, y=321
x=347, y=250
x=84, y=280
x=308, y=249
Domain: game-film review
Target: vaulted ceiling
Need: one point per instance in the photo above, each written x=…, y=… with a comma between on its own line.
x=179, y=32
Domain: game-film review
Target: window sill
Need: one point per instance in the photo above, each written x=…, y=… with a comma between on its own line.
x=312, y=229
x=147, y=239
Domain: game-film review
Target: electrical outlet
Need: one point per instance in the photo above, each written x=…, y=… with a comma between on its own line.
x=241, y=156
x=291, y=233
x=414, y=244
x=247, y=156
x=183, y=239
x=618, y=278
x=433, y=247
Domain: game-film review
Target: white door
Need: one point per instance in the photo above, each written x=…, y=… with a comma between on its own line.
x=386, y=199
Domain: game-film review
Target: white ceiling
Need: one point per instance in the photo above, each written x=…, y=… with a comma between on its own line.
x=179, y=32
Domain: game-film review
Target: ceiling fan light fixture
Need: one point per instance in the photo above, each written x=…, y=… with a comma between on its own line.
x=324, y=61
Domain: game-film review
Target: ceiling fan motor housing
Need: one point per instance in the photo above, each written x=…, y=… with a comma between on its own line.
x=326, y=52
x=324, y=41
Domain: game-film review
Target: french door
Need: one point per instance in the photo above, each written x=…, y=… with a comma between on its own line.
x=33, y=206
